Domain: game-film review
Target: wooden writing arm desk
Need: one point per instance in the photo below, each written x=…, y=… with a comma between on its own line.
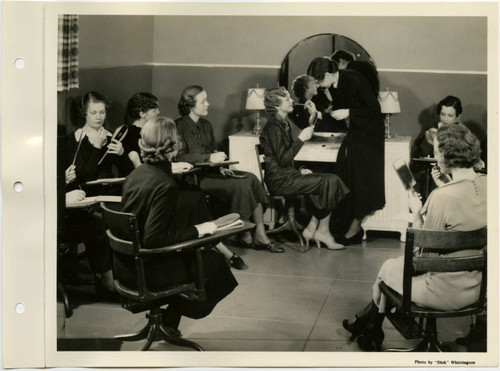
x=320, y=149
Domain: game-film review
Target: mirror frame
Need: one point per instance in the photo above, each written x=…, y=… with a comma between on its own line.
x=283, y=79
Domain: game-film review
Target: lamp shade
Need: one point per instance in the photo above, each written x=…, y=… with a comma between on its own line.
x=389, y=101
x=255, y=99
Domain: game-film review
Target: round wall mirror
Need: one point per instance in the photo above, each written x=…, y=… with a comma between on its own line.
x=298, y=58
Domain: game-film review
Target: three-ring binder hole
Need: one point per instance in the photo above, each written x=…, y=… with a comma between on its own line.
x=18, y=187
x=19, y=62
x=20, y=308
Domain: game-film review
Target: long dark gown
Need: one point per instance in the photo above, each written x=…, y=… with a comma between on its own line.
x=360, y=161
x=279, y=149
x=149, y=192
x=238, y=195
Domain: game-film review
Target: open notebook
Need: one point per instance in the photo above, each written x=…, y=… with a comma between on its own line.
x=87, y=201
x=228, y=221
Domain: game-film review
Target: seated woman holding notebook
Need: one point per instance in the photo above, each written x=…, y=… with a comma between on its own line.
x=240, y=191
x=143, y=107
x=149, y=192
x=460, y=205
x=90, y=150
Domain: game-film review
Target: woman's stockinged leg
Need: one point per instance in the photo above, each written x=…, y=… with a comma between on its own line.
x=354, y=228
x=260, y=235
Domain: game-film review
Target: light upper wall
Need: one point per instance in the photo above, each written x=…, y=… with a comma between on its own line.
x=417, y=43
x=115, y=41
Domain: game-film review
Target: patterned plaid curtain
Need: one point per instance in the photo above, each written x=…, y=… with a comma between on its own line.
x=67, y=53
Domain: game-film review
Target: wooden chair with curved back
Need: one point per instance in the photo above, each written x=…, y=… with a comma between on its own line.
x=123, y=235
x=442, y=242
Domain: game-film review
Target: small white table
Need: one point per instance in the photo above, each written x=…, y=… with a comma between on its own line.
x=393, y=217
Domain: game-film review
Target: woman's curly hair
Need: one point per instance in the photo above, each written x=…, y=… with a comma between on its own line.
x=458, y=146
x=272, y=98
x=159, y=140
x=300, y=85
x=187, y=100
x=141, y=102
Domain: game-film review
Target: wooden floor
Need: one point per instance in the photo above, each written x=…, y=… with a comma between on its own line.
x=291, y=302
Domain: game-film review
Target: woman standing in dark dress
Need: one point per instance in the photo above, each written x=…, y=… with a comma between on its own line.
x=245, y=195
x=150, y=192
x=325, y=190
x=86, y=146
x=143, y=107
x=360, y=162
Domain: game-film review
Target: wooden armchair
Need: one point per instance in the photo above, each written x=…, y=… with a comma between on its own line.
x=288, y=202
x=443, y=242
x=123, y=235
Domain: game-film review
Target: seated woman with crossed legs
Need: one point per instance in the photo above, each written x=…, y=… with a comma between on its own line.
x=324, y=190
x=457, y=205
x=245, y=195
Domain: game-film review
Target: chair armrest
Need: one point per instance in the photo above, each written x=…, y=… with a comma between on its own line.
x=199, y=242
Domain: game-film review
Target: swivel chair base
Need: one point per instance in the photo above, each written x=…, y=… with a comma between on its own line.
x=156, y=331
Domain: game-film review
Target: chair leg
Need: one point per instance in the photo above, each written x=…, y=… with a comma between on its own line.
x=169, y=336
x=156, y=331
x=142, y=334
x=68, y=311
x=429, y=343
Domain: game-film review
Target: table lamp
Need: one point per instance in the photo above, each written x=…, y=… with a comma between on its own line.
x=255, y=102
x=389, y=104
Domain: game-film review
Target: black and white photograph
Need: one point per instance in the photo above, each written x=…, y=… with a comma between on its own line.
x=290, y=184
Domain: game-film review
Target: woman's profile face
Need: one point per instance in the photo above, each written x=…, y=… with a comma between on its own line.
x=439, y=158
x=286, y=104
x=200, y=108
x=311, y=88
x=150, y=114
x=96, y=114
x=448, y=115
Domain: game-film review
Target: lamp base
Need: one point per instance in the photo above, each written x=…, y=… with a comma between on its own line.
x=388, y=133
x=257, y=129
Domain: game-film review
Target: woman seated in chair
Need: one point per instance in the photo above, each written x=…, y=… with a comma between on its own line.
x=457, y=205
x=150, y=192
x=143, y=107
x=240, y=191
x=279, y=148
x=87, y=145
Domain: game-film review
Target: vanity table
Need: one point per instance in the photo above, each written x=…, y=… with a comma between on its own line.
x=393, y=217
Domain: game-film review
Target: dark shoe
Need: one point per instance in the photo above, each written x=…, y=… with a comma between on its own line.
x=236, y=262
x=171, y=319
x=356, y=328
x=354, y=240
x=105, y=295
x=371, y=340
x=270, y=246
x=244, y=244
x=477, y=333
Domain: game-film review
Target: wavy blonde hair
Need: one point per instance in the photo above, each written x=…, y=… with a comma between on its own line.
x=159, y=140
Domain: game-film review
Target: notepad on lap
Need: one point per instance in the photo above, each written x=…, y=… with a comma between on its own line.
x=228, y=221
x=87, y=201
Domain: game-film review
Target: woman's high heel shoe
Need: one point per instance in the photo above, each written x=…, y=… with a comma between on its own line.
x=328, y=241
x=354, y=240
x=307, y=234
x=356, y=328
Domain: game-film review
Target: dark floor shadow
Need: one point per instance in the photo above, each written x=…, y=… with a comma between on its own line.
x=69, y=345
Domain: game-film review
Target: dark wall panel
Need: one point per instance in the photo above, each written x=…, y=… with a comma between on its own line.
x=118, y=84
x=226, y=88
